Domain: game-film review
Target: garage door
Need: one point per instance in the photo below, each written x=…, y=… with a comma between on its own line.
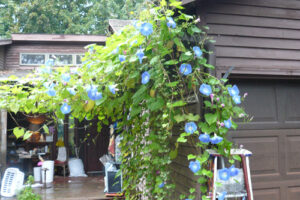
x=273, y=136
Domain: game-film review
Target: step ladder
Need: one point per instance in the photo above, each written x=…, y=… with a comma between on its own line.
x=244, y=154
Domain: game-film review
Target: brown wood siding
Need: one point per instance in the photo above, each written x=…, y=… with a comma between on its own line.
x=14, y=50
x=182, y=176
x=2, y=51
x=256, y=37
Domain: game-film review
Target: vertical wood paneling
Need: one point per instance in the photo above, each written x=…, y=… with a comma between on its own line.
x=2, y=51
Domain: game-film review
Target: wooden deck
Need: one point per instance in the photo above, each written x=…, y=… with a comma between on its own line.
x=89, y=188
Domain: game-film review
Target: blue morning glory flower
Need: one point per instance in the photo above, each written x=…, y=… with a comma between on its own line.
x=205, y=138
x=216, y=139
x=66, y=77
x=236, y=99
x=195, y=166
x=171, y=23
x=140, y=54
x=65, y=108
x=145, y=77
x=224, y=174
x=205, y=89
x=185, y=69
x=222, y=196
x=116, y=50
x=190, y=127
x=197, y=51
x=233, y=91
x=49, y=63
x=51, y=92
x=161, y=185
x=146, y=29
x=71, y=91
x=112, y=88
x=228, y=123
x=93, y=93
x=122, y=58
x=233, y=171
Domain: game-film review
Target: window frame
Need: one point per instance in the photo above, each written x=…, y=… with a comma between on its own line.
x=47, y=56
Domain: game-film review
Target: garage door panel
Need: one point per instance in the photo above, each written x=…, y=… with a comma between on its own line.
x=266, y=97
x=292, y=108
x=264, y=161
x=267, y=194
x=293, y=154
x=293, y=193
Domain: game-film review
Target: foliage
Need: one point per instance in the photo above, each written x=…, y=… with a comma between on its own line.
x=26, y=193
x=64, y=16
x=143, y=79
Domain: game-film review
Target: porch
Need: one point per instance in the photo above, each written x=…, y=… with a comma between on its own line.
x=89, y=188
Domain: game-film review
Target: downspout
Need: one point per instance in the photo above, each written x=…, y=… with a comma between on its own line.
x=3, y=140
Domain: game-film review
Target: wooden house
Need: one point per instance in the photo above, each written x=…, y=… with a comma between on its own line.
x=25, y=52
x=260, y=40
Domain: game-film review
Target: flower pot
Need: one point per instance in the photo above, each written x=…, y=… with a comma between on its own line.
x=36, y=119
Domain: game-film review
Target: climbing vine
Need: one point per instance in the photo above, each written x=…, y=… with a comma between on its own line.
x=143, y=78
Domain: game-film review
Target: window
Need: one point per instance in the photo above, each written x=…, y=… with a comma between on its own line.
x=60, y=59
x=78, y=59
x=32, y=59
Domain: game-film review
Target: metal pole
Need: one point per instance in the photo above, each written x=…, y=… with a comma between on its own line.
x=3, y=139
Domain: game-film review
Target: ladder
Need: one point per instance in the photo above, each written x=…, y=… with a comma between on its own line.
x=244, y=154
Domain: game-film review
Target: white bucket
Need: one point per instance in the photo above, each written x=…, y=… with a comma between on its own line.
x=37, y=174
x=48, y=164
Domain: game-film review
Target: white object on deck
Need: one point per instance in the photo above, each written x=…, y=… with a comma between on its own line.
x=37, y=174
x=12, y=181
x=76, y=168
x=49, y=165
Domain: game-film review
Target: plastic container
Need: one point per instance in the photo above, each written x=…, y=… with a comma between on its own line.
x=48, y=164
x=76, y=168
x=37, y=174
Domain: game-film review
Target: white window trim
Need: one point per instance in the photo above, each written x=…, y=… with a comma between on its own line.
x=47, y=55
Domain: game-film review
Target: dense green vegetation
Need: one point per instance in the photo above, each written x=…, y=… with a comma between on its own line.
x=64, y=16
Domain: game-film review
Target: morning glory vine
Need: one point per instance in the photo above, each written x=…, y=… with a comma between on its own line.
x=143, y=78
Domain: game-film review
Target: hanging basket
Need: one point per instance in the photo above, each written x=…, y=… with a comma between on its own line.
x=36, y=119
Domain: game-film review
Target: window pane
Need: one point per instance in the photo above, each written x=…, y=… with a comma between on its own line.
x=62, y=59
x=32, y=59
x=78, y=59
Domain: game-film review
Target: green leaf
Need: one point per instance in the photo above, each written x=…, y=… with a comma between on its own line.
x=174, y=153
x=202, y=180
x=192, y=117
x=237, y=157
x=192, y=190
x=179, y=118
x=181, y=139
x=46, y=129
x=18, y=132
x=179, y=44
x=154, y=60
x=171, y=62
x=89, y=106
x=211, y=118
x=172, y=84
x=156, y=104
x=177, y=104
x=196, y=29
x=191, y=156
x=27, y=135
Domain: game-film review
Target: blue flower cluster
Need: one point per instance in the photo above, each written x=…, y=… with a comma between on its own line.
x=185, y=69
x=225, y=173
x=93, y=93
x=65, y=108
x=190, y=127
x=197, y=51
x=171, y=23
x=234, y=92
x=205, y=138
x=205, y=89
x=195, y=166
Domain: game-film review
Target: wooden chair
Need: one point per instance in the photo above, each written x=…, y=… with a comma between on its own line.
x=62, y=159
